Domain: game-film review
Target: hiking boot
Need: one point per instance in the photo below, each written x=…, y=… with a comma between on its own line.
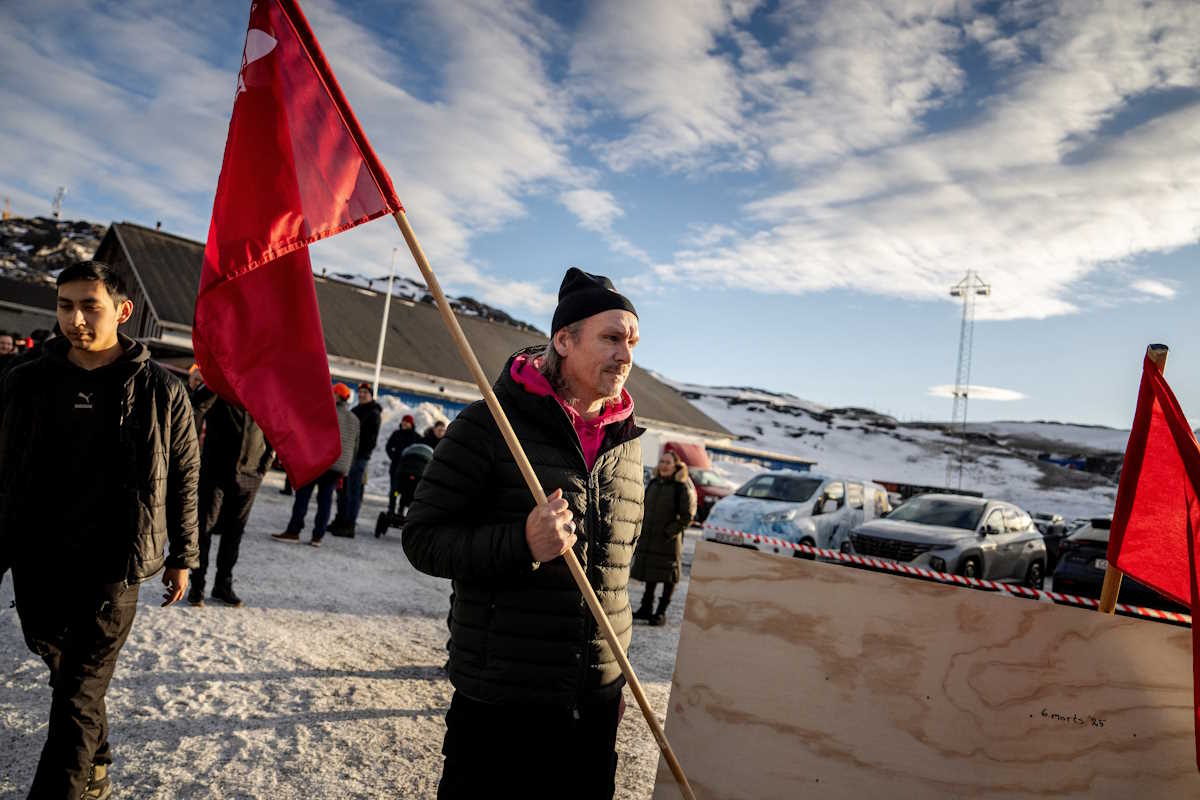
x=226, y=595
x=660, y=614
x=196, y=594
x=346, y=531
x=286, y=536
x=314, y=543
x=98, y=787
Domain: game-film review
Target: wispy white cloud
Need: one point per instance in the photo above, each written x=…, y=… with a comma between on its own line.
x=1039, y=183
x=596, y=211
x=135, y=123
x=1155, y=288
x=979, y=393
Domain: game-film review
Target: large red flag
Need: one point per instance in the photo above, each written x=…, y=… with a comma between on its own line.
x=1157, y=518
x=297, y=168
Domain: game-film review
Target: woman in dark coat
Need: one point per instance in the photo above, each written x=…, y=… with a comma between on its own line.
x=669, y=508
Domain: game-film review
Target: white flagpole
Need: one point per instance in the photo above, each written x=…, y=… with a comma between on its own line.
x=387, y=308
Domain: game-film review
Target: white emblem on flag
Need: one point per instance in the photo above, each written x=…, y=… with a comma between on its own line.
x=258, y=44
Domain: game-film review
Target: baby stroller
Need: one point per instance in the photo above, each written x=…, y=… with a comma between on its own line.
x=406, y=474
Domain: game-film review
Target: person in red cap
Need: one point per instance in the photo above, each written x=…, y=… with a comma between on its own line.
x=537, y=697
x=397, y=443
x=348, y=426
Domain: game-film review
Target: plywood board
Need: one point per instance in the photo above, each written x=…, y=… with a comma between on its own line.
x=797, y=679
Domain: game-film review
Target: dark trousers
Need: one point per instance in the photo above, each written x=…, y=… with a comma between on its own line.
x=350, y=493
x=648, y=597
x=324, y=486
x=529, y=751
x=224, y=508
x=77, y=628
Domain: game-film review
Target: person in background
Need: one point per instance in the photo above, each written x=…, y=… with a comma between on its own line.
x=34, y=350
x=407, y=473
x=8, y=350
x=434, y=434
x=98, y=476
x=397, y=443
x=350, y=495
x=324, y=485
x=669, y=507
x=194, y=379
x=233, y=461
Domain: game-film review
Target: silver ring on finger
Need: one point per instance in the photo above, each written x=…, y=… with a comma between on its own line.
x=571, y=526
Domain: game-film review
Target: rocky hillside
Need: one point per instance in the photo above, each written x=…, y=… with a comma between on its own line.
x=37, y=249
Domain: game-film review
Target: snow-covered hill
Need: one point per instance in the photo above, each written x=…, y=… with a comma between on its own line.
x=1001, y=457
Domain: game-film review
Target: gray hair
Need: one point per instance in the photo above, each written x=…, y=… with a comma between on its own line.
x=552, y=362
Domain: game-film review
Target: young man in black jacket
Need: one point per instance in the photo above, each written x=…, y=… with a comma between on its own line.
x=234, y=460
x=98, y=475
x=537, y=696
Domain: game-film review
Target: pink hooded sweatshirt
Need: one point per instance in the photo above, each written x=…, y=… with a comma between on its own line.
x=590, y=431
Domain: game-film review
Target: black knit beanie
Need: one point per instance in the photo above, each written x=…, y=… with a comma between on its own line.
x=583, y=295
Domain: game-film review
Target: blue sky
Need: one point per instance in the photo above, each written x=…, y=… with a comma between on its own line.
x=786, y=189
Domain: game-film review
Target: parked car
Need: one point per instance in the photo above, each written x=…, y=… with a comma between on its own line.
x=800, y=507
x=710, y=487
x=973, y=537
x=1083, y=560
x=1053, y=529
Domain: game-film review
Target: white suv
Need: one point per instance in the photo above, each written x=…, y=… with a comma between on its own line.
x=800, y=507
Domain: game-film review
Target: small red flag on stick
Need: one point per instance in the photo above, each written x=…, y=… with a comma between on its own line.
x=1157, y=518
x=297, y=168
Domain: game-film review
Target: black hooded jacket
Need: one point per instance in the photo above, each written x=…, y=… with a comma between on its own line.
x=233, y=442
x=142, y=497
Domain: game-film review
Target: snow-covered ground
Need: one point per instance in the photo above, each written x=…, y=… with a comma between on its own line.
x=327, y=684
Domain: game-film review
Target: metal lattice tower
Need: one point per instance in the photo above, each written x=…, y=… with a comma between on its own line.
x=968, y=289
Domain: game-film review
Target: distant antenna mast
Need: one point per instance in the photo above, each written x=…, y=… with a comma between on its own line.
x=968, y=289
x=7, y=214
x=56, y=206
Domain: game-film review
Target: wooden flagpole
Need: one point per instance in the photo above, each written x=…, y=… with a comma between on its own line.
x=518, y=452
x=1157, y=353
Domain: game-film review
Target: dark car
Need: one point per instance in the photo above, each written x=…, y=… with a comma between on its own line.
x=710, y=487
x=1053, y=530
x=1083, y=560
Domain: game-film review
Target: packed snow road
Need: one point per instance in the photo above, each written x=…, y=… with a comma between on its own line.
x=327, y=684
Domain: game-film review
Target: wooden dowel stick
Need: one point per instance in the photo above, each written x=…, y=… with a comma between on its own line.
x=1157, y=353
x=518, y=452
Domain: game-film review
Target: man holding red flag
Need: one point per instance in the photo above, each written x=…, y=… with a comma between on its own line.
x=1154, y=528
x=297, y=169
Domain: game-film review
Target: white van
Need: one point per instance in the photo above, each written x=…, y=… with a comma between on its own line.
x=800, y=507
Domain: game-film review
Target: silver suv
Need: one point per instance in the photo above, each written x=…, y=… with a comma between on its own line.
x=968, y=536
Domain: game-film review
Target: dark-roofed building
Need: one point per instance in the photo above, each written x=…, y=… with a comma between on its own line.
x=26, y=307
x=420, y=361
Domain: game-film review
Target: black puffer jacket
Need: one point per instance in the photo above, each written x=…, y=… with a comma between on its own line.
x=233, y=442
x=670, y=507
x=520, y=634
x=158, y=459
x=370, y=417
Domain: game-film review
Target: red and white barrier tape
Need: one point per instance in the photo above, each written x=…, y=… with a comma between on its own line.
x=945, y=577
